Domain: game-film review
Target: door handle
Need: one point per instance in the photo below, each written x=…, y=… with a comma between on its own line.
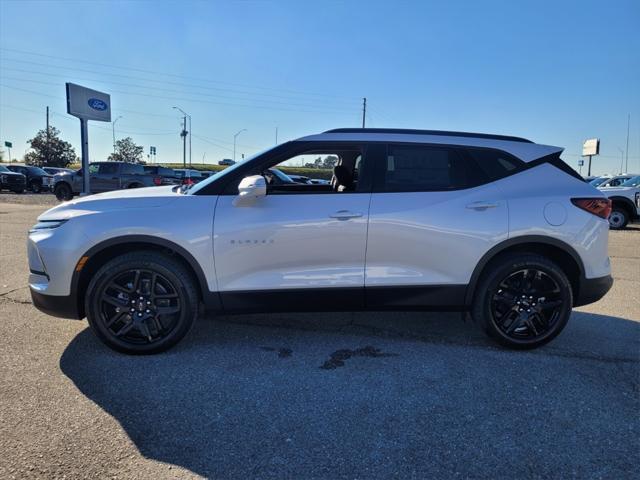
x=345, y=215
x=482, y=205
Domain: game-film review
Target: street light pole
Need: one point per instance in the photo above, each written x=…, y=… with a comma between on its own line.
x=234, y=142
x=113, y=129
x=621, y=158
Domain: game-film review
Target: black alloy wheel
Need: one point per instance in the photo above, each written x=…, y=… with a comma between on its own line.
x=525, y=302
x=63, y=192
x=142, y=302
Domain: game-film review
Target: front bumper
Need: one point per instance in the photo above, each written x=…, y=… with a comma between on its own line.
x=63, y=306
x=593, y=289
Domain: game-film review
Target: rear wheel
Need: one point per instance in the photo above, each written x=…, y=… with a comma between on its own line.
x=523, y=301
x=618, y=218
x=63, y=192
x=18, y=191
x=141, y=303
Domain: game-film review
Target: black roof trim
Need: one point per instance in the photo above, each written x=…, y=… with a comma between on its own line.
x=429, y=132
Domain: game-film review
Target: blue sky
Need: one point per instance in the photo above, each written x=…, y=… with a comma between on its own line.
x=556, y=72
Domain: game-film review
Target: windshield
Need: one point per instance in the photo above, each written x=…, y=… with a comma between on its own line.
x=199, y=186
x=4, y=169
x=597, y=181
x=632, y=182
x=36, y=171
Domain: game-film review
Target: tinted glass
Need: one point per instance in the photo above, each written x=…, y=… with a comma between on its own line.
x=632, y=182
x=412, y=168
x=131, y=169
x=4, y=169
x=108, y=168
x=37, y=171
x=494, y=163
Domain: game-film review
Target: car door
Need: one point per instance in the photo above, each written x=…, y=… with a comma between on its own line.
x=106, y=178
x=297, y=249
x=433, y=215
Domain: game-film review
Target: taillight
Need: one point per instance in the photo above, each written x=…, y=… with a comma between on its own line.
x=600, y=207
x=187, y=181
x=157, y=181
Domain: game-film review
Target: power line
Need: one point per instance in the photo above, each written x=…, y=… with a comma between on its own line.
x=306, y=105
x=206, y=80
x=182, y=99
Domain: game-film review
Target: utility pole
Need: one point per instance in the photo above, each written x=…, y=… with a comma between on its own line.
x=189, y=140
x=626, y=167
x=364, y=110
x=234, y=142
x=203, y=155
x=48, y=137
x=276, y=135
x=183, y=134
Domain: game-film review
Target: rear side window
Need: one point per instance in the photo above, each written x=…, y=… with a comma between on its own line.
x=131, y=169
x=420, y=168
x=108, y=168
x=494, y=163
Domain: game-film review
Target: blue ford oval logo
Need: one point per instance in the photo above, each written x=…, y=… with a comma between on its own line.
x=97, y=104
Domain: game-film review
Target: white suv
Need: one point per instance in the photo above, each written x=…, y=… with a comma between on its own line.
x=412, y=219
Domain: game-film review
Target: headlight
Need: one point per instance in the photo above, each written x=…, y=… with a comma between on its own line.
x=3, y=179
x=46, y=225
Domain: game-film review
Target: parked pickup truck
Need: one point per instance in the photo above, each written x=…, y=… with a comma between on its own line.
x=105, y=177
x=625, y=202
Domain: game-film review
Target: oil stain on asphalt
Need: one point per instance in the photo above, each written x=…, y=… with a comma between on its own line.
x=338, y=357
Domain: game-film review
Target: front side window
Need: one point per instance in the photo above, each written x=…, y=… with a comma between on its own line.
x=632, y=182
x=418, y=168
x=94, y=168
x=329, y=171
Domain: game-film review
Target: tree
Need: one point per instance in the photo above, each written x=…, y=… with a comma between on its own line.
x=127, y=151
x=330, y=161
x=50, y=150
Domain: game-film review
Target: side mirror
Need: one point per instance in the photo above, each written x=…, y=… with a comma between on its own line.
x=250, y=189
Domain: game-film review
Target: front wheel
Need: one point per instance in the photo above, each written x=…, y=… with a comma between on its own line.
x=36, y=187
x=523, y=301
x=141, y=302
x=63, y=192
x=618, y=218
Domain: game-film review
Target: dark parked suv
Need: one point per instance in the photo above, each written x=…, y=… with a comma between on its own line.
x=105, y=177
x=37, y=179
x=16, y=182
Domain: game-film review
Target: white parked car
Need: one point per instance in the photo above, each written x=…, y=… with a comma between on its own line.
x=616, y=180
x=413, y=219
x=625, y=201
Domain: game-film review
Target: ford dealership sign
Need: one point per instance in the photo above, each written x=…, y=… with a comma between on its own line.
x=88, y=104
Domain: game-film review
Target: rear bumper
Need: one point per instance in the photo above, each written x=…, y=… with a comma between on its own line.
x=593, y=289
x=63, y=306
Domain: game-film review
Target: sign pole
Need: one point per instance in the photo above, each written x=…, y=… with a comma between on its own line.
x=84, y=140
x=589, y=172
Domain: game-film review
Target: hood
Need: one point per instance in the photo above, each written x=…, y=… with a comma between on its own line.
x=134, y=198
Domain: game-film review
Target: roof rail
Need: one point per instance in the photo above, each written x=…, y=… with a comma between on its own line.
x=406, y=131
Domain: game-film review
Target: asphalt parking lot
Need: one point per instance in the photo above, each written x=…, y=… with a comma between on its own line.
x=366, y=395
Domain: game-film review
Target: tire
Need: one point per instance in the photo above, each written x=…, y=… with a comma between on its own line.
x=135, y=185
x=138, y=327
x=63, y=192
x=522, y=301
x=19, y=192
x=618, y=219
x=35, y=187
